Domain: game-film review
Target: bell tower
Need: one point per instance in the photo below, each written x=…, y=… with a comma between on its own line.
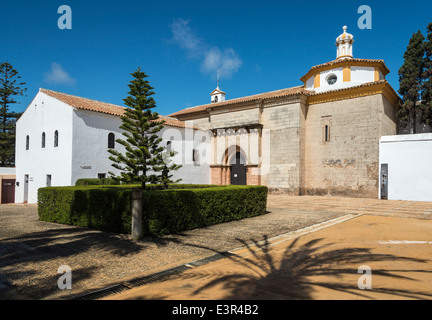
x=344, y=45
x=217, y=94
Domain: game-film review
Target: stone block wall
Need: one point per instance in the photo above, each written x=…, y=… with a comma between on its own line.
x=346, y=164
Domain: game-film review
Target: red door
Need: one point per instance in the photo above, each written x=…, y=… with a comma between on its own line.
x=8, y=191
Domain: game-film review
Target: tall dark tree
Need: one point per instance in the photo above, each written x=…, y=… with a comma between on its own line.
x=143, y=160
x=427, y=78
x=10, y=88
x=410, y=79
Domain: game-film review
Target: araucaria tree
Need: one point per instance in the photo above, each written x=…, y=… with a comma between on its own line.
x=410, y=80
x=10, y=88
x=144, y=160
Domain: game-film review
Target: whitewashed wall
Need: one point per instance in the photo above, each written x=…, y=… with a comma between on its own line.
x=90, y=155
x=409, y=166
x=44, y=114
x=83, y=147
x=361, y=75
x=184, y=141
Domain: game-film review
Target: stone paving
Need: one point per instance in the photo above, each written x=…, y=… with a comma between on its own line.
x=31, y=251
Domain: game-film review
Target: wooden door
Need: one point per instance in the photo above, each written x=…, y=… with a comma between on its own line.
x=8, y=191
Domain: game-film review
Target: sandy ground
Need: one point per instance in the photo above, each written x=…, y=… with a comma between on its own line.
x=318, y=263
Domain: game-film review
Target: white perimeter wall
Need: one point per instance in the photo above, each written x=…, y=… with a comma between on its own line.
x=44, y=114
x=409, y=166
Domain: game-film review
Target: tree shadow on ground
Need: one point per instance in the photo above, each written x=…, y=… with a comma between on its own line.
x=292, y=276
x=32, y=259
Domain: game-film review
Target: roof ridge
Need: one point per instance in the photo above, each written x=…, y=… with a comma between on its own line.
x=79, y=97
x=240, y=99
x=102, y=107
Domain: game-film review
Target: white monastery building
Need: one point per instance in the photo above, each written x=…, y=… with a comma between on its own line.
x=321, y=137
x=62, y=138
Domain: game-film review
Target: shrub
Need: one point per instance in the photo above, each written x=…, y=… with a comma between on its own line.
x=96, y=182
x=108, y=208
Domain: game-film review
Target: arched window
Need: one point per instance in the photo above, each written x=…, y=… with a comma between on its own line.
x=56, y=139
x=111, y=140
x=169, y=146
x=43, y=139
x=27, y=143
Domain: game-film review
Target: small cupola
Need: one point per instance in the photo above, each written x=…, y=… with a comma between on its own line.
x=217, y=94
x=344, y=45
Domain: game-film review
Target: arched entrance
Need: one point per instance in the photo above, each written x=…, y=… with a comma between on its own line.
x=238, y=168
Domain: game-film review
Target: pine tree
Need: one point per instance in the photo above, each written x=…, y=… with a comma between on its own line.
x=10, y=87
x=427, y=79
x=144, y=157
x=410, y=79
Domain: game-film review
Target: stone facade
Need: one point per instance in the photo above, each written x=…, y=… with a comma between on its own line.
x=303, y=143
x=321, y=138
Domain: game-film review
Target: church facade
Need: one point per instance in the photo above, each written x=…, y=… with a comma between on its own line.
x=318, y=138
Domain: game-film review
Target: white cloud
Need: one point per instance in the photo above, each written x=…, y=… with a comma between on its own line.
x=58, y=75
x=212, y=59
x=185, y=38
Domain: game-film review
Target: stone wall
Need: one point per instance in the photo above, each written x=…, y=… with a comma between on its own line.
x=347, y=164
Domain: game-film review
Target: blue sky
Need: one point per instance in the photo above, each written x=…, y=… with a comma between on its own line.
x=259, y=46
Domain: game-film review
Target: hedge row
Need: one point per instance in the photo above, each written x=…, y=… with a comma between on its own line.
x=112, y=182
x=164, y=211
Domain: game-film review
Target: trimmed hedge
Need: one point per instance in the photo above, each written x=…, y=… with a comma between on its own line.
x=112, y=182
x=96, y=182
x=108, y=208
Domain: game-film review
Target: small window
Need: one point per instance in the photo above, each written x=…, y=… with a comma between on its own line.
x=43, y=139
x=195, y=156
x=27, y=143
x=56, y=139
x=169, y=146
x=101, y=175
x=48, y=180
x=111, y=140
x=326, y=133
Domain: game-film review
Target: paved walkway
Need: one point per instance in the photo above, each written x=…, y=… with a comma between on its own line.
x=31, y=251
x=316, y=263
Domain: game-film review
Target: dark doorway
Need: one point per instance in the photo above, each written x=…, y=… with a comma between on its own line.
x=384, y=181
x=26, y=188
x=238, y=170
x=8, y=191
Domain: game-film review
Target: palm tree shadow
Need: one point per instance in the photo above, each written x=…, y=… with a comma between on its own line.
x=291, y=276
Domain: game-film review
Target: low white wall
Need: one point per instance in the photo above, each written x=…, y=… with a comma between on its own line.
x=7, y=171
x=409, y=166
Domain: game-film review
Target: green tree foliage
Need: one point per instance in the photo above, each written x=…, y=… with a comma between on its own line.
x=410, y=79
x=10, y=87
x=144, y=160
x=427, y=79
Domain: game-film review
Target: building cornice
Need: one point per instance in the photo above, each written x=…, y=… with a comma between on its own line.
x=379, y=64
x=378, y=87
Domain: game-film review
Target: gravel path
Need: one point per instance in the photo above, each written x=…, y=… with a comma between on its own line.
x=31, y=251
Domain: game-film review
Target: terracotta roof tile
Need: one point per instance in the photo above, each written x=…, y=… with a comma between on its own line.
x=85, y=104
x=103, y=107
x=262, y=96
